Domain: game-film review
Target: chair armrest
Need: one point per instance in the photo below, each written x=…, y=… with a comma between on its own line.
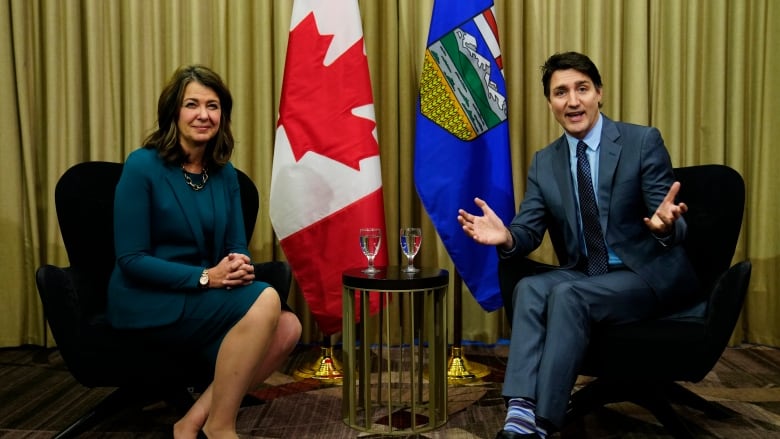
x=278, y=274
x=61, y=305
x=726, y=301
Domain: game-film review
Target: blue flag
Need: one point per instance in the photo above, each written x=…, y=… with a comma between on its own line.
x=462, y=136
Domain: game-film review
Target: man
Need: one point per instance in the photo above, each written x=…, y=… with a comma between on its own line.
x=619, y=255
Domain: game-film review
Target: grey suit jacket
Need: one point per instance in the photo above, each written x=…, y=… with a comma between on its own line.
x=635, y=174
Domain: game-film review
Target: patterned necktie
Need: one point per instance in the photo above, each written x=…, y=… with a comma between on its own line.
x=597, y=261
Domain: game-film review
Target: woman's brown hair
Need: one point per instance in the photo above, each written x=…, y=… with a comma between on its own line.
x=166, y=138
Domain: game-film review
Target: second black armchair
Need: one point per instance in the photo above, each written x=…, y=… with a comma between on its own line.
x=642, y=362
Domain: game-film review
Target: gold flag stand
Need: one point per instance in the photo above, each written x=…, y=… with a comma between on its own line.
x=325, y=368
x=459, y=369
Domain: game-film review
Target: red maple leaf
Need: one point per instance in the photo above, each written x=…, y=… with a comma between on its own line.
x=317, y=100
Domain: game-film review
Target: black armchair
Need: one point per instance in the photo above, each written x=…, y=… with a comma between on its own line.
x=74, y=300
x=641, y=362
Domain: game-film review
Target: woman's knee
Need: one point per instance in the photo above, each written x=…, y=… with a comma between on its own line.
x=266, y=307
x=289, y=328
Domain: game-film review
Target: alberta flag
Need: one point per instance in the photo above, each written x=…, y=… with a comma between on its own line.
x=326, y=181
x=462, y=136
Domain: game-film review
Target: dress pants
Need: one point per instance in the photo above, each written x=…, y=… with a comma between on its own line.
x=551, y=326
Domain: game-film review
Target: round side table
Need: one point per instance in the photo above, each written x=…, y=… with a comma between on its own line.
x=385, y=353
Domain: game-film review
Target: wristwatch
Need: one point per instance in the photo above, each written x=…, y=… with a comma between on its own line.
x=203, y=282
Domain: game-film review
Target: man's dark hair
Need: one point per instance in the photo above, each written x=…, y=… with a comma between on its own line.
x=566, y=61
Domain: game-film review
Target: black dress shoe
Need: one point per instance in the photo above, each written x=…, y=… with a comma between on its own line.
x=503, y=434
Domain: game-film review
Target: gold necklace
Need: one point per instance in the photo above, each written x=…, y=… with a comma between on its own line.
x=196, y=187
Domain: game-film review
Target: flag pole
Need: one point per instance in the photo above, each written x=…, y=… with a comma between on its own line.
x=459, y=369
x=325, y=368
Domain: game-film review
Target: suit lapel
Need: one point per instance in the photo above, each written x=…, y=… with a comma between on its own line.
x=186, y=199
x=609, y=155
x=562, y=173
x=219, y=190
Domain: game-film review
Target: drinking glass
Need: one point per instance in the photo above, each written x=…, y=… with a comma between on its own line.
x=411, y=238
x=370, y=240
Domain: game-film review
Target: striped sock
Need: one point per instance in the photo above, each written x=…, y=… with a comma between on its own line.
x=520, y=416
x=521, y=419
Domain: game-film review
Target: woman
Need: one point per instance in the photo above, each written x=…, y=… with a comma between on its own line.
x=183, y=275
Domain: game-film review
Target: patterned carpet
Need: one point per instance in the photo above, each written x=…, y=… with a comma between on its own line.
x=38, y=398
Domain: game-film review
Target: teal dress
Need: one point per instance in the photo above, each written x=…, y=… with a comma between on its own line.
x=165, y=234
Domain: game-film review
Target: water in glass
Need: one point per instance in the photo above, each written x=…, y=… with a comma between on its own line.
x=411, y=238
x=370, y=241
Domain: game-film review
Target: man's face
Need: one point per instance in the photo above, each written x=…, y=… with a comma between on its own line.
x=574, y=101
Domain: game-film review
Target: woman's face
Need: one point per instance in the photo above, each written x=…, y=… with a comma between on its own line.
x=199, y=116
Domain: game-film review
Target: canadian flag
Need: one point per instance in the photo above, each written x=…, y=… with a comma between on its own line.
x=326, y=181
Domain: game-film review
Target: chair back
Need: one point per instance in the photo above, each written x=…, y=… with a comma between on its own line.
x=250, y=202
x=84, y=200
x=715, y=195
x=685, y=344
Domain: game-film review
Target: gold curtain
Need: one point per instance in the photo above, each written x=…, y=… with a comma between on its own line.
x=81, y=79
